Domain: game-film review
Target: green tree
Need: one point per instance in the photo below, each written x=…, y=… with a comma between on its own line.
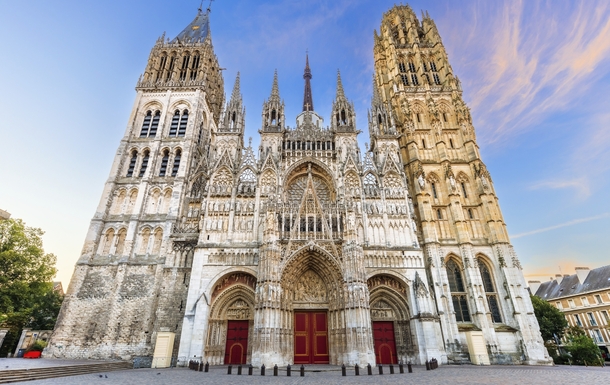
x=27, y=298
x=552, y=322
x=581, y=347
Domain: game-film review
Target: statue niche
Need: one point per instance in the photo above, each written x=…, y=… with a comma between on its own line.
x=310, y=288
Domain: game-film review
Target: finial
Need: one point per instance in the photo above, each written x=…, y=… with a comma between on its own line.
x=209, y=6
x=250, y=141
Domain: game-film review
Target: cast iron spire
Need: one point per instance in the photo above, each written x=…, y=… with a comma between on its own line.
x=307, y=98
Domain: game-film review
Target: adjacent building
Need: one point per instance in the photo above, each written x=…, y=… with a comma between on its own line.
x=584, y=298
x=306, y=249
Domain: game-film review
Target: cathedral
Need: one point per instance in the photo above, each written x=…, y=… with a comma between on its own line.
x=305, y=250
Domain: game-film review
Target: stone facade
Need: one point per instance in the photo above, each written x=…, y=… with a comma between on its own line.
x=196, y=231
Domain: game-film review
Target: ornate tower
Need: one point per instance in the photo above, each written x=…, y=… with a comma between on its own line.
x=131, y=281
x=479, y=288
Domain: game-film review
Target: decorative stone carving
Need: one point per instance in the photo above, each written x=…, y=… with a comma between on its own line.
x=310, y=288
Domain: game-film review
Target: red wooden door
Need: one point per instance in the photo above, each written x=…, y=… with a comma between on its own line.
x=310, y=338
x=236, y=350
x=385, y=345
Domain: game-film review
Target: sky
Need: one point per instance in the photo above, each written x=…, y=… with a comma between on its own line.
x=536, y=75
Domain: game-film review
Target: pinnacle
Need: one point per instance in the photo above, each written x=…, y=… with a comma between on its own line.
x=236, y=94
x=376, y=98
x=340, y=92
x=275, y=90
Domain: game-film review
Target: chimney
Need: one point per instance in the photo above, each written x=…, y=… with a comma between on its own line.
x=558, y=278
x=582, y=273
x=534, y=286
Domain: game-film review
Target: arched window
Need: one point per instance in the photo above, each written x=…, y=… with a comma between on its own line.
x=155, y=124
x=108, y=238
x=490, y=291
x=120, y=242
x=173, y=128
x=185, y=66
x=132, y=164
x=195, y=66
x=162, y=63
x=458, y=293
x=170, y=71
x=439, y=215
x=402, y=68
x=434, y=190
x=144, y=240
x=164, y=162
x=464, y=190
x=343, y=120
x=144, y=164
x=146, y=124
x=176, y=163
x=183, y=120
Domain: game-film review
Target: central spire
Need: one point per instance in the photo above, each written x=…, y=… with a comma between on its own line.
x=307, y=98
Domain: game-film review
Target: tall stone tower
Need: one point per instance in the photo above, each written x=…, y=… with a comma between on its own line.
x=131, y=280
x=474, y=270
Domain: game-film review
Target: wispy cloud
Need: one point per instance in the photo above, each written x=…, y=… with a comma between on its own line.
x=525, y=70
x=580, y=184
x=565, y=224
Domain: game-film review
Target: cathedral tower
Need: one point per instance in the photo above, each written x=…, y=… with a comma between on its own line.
x=479, y=288
x=131, y=281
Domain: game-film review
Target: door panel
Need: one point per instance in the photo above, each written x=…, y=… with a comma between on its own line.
x=310, y=338
x=236, y=350
x=385, y=344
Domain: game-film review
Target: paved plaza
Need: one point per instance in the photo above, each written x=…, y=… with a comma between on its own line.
x=452, y=375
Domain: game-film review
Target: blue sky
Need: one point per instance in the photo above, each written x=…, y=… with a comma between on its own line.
x=535, y=73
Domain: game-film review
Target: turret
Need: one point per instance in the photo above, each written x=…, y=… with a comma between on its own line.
x=235, y=113
x=273, y=110
x=343, y=116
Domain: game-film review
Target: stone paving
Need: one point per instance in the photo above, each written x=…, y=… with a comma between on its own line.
x=23, y=363
x=454, y=375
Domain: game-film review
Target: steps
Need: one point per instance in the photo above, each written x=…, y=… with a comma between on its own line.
x=15, y=375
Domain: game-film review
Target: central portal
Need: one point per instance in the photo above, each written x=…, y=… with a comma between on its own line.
x=310, y=337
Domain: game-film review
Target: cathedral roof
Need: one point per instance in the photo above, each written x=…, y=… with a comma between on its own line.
x=197, y=30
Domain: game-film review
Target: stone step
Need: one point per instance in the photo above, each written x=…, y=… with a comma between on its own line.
x=16, y=375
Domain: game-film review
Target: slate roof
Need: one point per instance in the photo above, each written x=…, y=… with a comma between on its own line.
x=197, y=31
x=598, y=279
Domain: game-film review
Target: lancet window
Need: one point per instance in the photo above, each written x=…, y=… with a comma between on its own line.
x=150, y=124
x=458, y=292
x=178, y=125
x=490, y=291
x=132, y=164
x=164, y=162
x=176, y=162
x=144, y=164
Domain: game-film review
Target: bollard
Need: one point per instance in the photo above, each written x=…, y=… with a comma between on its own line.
x=201, y=366
x=229, y=369
x=250, y=370
x=369, y=369
x=288, y=370
x=343, y=370
x=401, y=368
x=380, y=369
x=409, y=367
x=427, y=365
x=391, y=369
x=239, y=370
x=207, y=367
x=357, y=370
x=263, y=370
x=302, y=371
x=275, y=370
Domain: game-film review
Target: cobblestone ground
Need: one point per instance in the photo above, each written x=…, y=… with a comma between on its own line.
x=453, y=375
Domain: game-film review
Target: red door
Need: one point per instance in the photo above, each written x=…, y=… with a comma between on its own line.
x=385, y=345
x=236, y=350
x=310, y=338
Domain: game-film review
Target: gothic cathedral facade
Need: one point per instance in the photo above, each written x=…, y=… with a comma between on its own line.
x=305, y=250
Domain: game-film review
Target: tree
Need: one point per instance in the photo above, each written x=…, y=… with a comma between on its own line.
x=581, y=347
x=27, y=298
x=552, y=321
